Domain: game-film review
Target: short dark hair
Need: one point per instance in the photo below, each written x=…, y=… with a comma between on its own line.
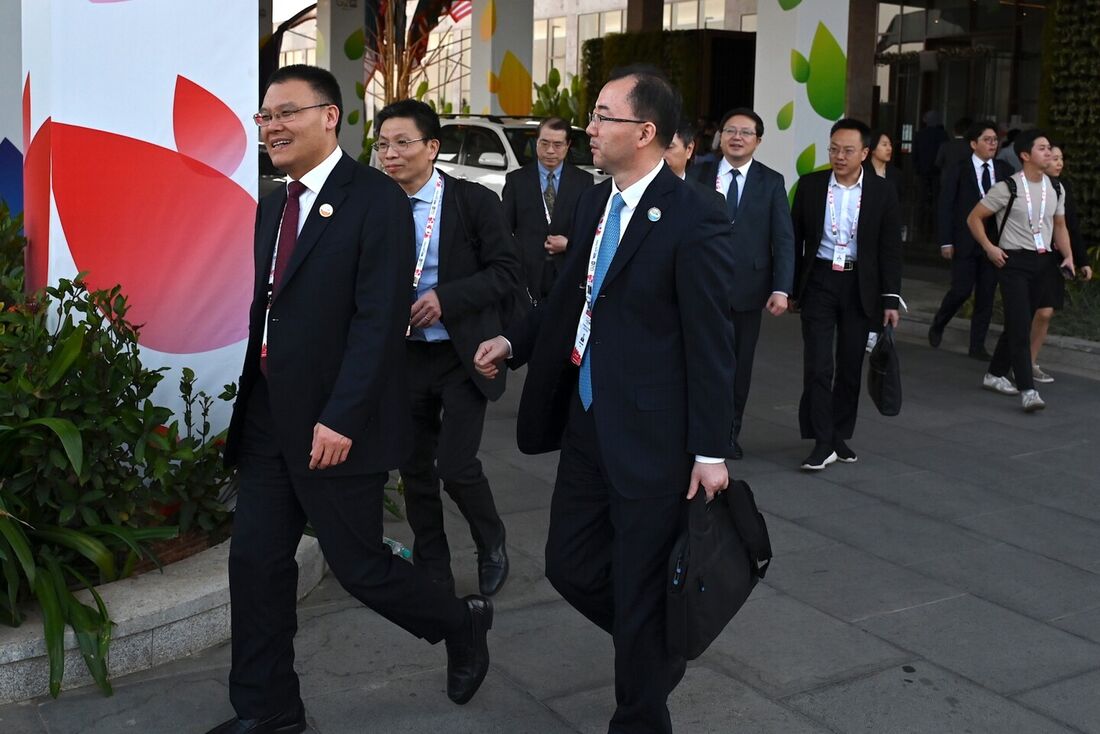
x=851, y=123
x=1025, y=141
x=962, y=125
x=422, y=115
x=979, y=127
x=744, y=112
x=321, y=81
x=685, y=131
x=653, y=98
x=877, y=135
x=556, y=123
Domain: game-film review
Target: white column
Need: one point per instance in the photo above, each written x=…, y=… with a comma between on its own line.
x=500, y=57
x=11, y=117
x=339, y=24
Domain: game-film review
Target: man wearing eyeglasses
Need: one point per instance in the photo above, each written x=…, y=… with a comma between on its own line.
x=630, y=374
x=466, y=264
x=322, y=410
x=847, y=232
x=763, y=242
x=539, y=200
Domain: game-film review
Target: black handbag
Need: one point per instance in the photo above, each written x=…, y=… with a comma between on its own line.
x=713, y=568
x=884, y=374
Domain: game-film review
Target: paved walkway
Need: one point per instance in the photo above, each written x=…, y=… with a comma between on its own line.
x=947, y=582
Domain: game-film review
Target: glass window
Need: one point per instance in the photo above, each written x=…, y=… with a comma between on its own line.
x=666, y=20
x=588, y=26
x=450, y=142
x=557, y=45
x=611, y=22
x=748, y=22
x=538, y=51
x=714, y=14
x=484, y=149
x=685, y=15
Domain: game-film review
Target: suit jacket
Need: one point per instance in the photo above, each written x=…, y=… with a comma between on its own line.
x=336, y=333
x=526, y=217
x=959, y=192
x=662, y=342
x=478, y=267
x=878, y=238
x=893, y=175
x=1073, y=224
x=763, y=241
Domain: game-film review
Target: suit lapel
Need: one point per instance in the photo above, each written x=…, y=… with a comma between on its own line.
x=449, y=224
x=821, y=197
x=268, y=230
x=332, y=193
x=640, y=224
x=751, y=187
x=867, y=203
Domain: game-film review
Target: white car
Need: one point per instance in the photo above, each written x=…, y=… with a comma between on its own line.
x=483, y=148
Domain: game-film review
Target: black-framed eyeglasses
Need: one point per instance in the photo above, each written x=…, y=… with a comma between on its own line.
x=597, y=118
x=263, y=119
x=399, y=145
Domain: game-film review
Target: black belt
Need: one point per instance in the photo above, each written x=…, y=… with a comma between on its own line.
x=849, y=265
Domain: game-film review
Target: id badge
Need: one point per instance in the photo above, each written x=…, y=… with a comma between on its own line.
x=584, y=330
x=1040, y=246
x=840, y=256
x=263, y=344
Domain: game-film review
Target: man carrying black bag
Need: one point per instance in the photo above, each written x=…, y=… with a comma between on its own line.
x=884, y=374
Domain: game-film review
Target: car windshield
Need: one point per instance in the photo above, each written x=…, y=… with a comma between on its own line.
x=522, y=140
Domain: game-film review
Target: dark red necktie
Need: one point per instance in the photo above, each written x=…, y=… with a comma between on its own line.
x=288, y=237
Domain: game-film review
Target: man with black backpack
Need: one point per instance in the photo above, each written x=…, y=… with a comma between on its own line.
x=467, y=270
x=1032, y=227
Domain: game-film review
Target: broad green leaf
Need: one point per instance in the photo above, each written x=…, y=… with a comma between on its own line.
x=786, y=116
x=355, y=45
x=789, y=4
x=92, y=628
x=353, y=117
x=360, y=90
x=16, y=539
x=828, y=71
x=800, y=67
x=53, y=625
x=70, y=438
x=86, y=545
x=805, y=162
x=64, y=355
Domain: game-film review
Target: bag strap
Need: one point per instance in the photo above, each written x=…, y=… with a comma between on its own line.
x=1011, y=183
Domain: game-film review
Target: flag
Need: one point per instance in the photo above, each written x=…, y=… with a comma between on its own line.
x=461, y=10
x=425, y=19
x=374, y=13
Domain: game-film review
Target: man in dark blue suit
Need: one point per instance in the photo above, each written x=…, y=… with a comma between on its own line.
x=630, y=374
x=963, y=185
x=763, y=240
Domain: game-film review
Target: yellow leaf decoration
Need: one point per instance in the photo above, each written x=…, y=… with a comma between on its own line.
x=488, y=25
x=514, y=86
x=494, y=83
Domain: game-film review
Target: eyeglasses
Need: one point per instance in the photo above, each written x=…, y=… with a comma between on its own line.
x=263, y=119
x=598, y=119
x=399, y=145
x=836, y=152
x=991, y=139
x=552, y=144
x=733, y=132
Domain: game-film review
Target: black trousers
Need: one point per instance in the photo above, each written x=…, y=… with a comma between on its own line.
x=746, y=332
x=608, y=557
x=970, y=273
x=273, y=506
x=831, y=314
x=1021, y=281
x=448, y=414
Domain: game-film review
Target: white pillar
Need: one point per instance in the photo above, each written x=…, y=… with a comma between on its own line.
x=801, y=70
x=11, y=107
x=500, y=57
x=339, y=24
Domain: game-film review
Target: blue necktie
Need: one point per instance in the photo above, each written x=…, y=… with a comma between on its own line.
x=733, y=196
x=609, y=243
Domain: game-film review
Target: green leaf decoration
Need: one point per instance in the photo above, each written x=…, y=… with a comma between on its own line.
x=805, y=162
x=353, y=117
x=789, y=4
x=360, y=90
x=786, y=116
x=800, y=67
x=828, y=69
x=355, y=45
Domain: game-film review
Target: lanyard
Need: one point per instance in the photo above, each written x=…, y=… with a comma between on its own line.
x=834, y=225
x=1035, y=227
x=428, y=228
x=584, y=325
x=546, y=209
x=275, y=252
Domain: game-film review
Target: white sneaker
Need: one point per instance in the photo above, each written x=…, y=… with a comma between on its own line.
x=999, y=384
x=1031, y=401
x=1038, y=375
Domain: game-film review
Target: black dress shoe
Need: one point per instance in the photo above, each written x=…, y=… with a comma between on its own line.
x=468, y=651
x=737, y=452
x=843, y=453
x=935, y=336
x=820, y=457
x=980, y=353
x=492, y=568
x=286, y=722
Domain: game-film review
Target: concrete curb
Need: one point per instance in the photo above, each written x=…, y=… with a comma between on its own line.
x=159, y=617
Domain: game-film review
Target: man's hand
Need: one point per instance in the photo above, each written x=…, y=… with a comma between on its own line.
x=329, y=448
x=1067, y=262
x=947, y=252
x=997, y=256
x=489, y=355
x=426, y=311
x=1085, y=272
x=713, y=478
x=890, y=317
x=777, y=304
x=556, y=244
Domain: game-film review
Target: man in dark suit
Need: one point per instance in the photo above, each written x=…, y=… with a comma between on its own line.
x=539, y=201
x=763, y=242
x=630, y=374
x=466, y=265
x=678, y=157
x=963, y=185
x=847, y=231
x=322, y=410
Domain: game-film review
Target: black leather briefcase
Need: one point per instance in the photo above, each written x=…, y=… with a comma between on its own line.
x=884, y=374
x=714, y=566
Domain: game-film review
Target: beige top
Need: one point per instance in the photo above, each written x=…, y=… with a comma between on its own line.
x=1017, y=234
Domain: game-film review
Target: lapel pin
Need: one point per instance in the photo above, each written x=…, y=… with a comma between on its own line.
x=653, y=214
x=326, y=210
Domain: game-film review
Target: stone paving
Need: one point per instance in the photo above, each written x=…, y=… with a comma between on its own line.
x=947, y=582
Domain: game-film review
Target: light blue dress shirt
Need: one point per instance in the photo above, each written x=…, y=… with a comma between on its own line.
x=543, y=172
x=845, y=214
x=421, y=204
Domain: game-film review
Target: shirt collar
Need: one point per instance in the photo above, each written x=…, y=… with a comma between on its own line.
x=543, y=170
x=427, y=191
x=724, y=167
x=857, y=185
x=632, y=194
x=315, y=179
x=978, y=162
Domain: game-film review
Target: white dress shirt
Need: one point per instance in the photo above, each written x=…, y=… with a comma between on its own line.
x=314, y=180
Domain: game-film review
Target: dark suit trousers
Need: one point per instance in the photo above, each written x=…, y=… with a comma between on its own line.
x=831, y=313
x=346, y=513
x=608, y=557
x=448, y=414
x=970, y=273
x=746, y=332
x=1021, y=282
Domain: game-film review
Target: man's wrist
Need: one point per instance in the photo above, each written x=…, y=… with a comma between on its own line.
x=707, y=460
